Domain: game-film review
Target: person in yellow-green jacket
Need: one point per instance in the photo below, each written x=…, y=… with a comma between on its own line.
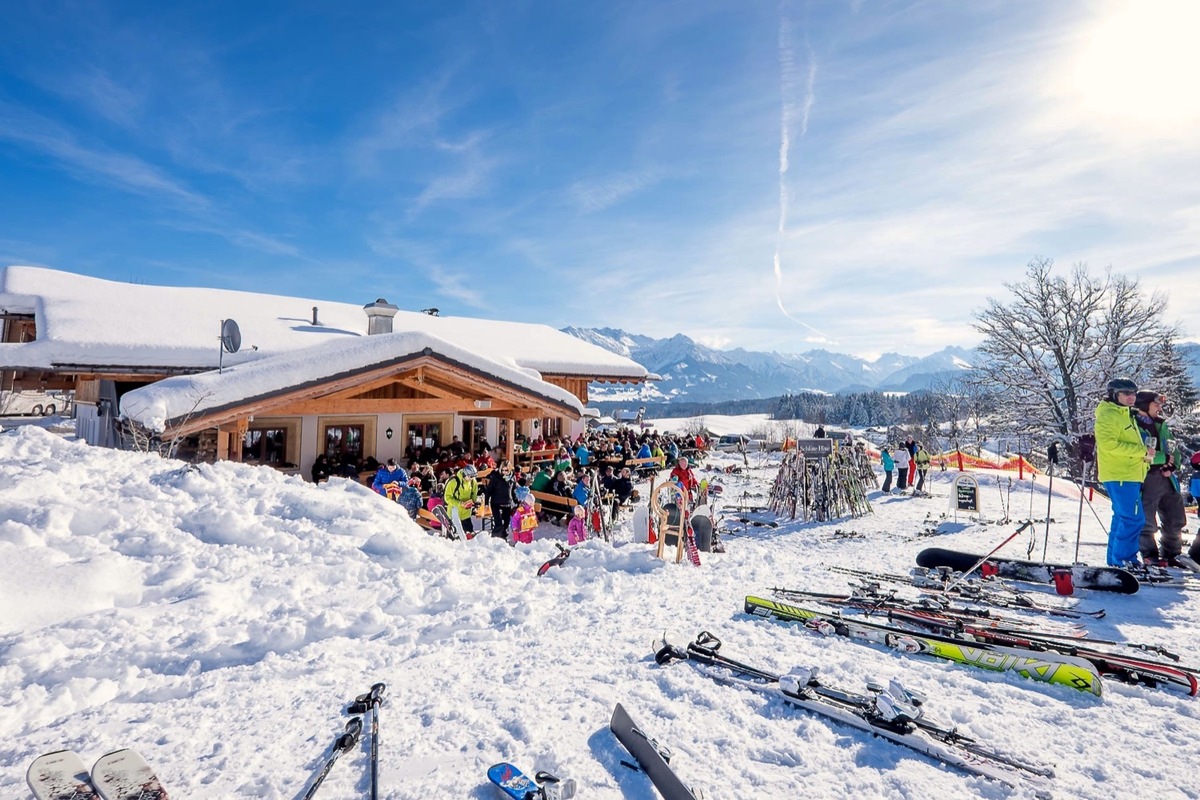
x=1121, y=460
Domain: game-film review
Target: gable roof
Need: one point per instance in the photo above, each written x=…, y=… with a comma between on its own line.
x=89, y=323
x=195, y=398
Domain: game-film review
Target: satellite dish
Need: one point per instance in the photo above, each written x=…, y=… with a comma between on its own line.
x=231, y=336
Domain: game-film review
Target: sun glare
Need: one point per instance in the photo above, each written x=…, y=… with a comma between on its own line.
x=1139, y=68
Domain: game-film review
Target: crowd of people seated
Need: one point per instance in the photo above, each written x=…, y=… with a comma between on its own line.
x=593, y=463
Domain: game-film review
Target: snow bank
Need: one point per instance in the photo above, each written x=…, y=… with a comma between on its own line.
x=217, y=618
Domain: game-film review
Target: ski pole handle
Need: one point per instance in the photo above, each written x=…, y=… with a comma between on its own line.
x=350, y=737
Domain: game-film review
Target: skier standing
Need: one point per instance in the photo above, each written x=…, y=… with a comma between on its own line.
x=921, y=461
x=1161, y=498
x=885, y=460
x=903, y=458
x=459, y=494
x=1121, y=459
x=501, y=496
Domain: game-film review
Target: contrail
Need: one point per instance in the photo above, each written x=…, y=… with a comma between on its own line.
x=788, y=74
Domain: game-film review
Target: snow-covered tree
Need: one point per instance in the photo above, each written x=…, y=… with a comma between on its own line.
x=1050, y=350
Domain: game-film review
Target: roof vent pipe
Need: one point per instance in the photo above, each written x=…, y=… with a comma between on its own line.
x=379, y=316
x=315, y=323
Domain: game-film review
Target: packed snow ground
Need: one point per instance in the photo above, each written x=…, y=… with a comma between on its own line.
x=218, y=618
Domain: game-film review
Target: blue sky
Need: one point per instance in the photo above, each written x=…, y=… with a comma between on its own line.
x=858, y=176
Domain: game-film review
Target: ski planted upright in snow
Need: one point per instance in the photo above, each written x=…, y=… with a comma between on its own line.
x=890, y=712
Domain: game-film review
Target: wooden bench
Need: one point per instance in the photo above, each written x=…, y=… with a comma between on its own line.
x=646, y=465
x=532, y=458
x=554, y=502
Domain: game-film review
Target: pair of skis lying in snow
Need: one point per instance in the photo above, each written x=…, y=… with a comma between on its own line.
x=889, y=712
x=1046, y=657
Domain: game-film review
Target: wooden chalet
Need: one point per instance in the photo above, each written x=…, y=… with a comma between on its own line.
x=303, y=383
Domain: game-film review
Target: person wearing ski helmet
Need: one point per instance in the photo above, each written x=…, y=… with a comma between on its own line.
x=460, y=493
x=1161, y=498
x=1121, y=460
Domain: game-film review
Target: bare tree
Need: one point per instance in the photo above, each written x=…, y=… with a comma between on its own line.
x=1049, y=352
x=138, y=437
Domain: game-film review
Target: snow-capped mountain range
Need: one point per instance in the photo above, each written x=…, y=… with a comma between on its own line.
x=691, y=371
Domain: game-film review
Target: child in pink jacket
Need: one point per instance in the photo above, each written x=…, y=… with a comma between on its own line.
x=576, y=532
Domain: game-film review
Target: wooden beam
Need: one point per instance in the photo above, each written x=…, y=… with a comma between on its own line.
x=353, y=406
x=427, y=388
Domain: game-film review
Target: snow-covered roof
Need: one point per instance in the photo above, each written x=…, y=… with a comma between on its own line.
x=174, y=398
x=90, y=322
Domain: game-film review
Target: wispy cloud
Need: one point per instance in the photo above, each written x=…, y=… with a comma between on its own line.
x=601, y=193
x=788, y=79
x=93, y=163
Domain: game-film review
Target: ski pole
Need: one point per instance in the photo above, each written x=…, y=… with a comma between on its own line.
x=1079, y=519
x=1049, y=496
x=371, y=701
x=340, y=745
x=1026, y=524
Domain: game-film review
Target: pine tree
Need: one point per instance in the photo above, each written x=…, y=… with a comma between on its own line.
x=1169, y=376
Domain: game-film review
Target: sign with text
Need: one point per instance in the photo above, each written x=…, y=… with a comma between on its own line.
x=838, y=436
x=964, y=493
x=814, y=448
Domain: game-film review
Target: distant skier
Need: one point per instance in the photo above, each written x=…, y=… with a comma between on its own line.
x=921, y=461
x=902, y=459
x=885, y=459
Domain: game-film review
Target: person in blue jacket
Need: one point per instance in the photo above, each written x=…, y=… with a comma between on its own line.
x=582, y=491
x=644, y=451
x=391, y=472
x=888, y=465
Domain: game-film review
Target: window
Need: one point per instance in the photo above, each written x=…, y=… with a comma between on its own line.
x=265, y=446
x=473, y=431
x=551, y=427
x=425, y=434
x=345, y=442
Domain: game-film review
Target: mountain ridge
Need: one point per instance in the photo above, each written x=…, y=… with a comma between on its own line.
x=697, y=373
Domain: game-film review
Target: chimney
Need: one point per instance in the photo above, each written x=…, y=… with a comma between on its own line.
x=379, y=316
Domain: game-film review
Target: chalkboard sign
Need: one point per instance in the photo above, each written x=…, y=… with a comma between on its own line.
x=965, y=493
x=814, y=448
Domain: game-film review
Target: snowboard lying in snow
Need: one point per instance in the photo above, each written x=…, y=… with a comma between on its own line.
x=1104, y=579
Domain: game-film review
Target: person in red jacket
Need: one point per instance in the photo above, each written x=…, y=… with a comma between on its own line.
x=683, y=473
